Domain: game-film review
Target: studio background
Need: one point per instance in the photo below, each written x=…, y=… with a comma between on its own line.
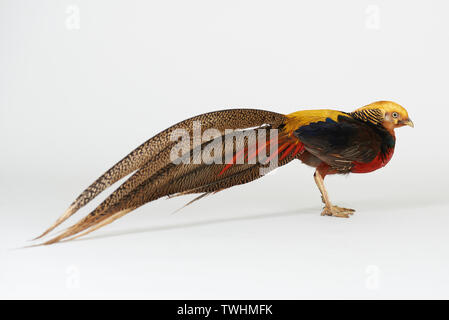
x=82, y=83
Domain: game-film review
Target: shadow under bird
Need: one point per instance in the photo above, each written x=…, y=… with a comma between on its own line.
x=334, y=142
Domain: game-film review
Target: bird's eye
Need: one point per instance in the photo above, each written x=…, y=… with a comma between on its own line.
x=395, y=115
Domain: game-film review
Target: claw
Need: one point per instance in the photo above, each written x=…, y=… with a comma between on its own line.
x=340, y=209
x=336, y=211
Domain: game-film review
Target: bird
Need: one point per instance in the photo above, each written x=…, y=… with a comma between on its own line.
x=214, y=151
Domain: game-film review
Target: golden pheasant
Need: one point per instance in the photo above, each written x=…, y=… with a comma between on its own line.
x=217, y=150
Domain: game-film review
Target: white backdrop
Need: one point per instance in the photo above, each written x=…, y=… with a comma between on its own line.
x=82, y=83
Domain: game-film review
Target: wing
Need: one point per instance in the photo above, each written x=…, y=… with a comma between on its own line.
x=340, y=141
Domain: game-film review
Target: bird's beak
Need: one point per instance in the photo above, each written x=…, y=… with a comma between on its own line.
x=408, y=122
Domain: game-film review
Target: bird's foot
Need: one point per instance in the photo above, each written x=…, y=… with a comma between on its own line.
x=336, y=211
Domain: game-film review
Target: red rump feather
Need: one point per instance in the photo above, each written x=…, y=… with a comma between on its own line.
x=285, y=148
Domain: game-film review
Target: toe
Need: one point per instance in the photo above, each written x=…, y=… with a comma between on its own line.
x=335, y=211
x=345, y=210
x=341, y=215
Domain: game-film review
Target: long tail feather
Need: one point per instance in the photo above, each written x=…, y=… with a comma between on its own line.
x=158, y=176
x=172, y=177
x=231, y=119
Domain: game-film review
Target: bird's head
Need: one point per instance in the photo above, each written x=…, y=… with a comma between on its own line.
x=387, y=113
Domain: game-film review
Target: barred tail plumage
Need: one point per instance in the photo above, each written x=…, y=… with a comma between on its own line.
x=156, y=174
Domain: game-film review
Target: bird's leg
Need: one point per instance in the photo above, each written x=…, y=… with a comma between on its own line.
x=329, y=209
